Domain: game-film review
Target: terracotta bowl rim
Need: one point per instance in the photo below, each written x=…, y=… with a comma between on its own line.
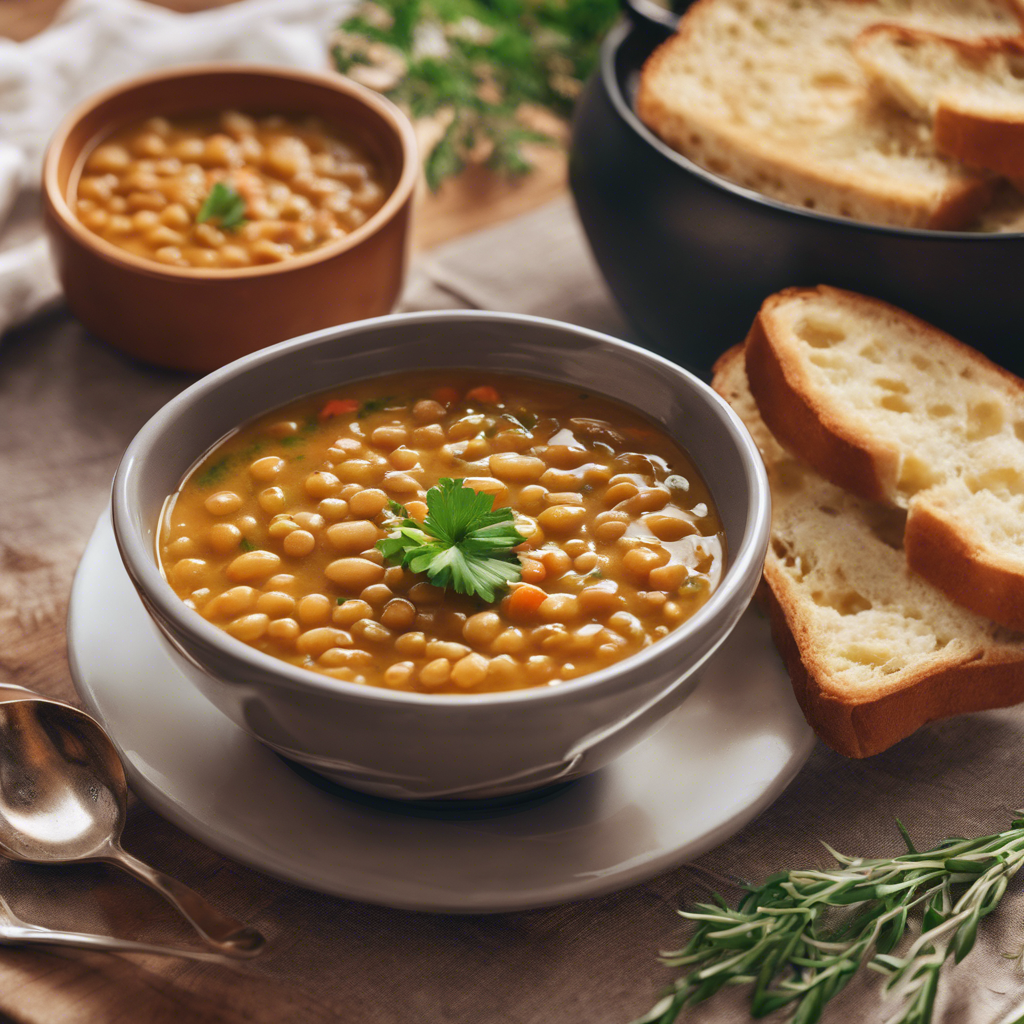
x=391, y=115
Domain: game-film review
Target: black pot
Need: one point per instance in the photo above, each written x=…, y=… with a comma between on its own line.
x=690, y=256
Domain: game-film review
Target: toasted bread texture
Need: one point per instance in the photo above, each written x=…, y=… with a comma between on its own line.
x=874, y=651
x=970, y=92
x=894, y=410
x=768, y=94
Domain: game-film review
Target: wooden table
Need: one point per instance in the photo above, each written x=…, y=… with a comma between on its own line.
x=57, y=459
x=68, y=407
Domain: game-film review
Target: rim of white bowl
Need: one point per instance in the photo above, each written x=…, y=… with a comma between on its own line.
x=141, y=565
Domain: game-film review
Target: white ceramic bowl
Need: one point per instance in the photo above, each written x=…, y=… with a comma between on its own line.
x=425, y=746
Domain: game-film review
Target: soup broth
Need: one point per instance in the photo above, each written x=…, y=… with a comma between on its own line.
x=273, y=536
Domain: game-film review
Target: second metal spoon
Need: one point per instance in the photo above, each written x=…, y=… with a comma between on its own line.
x=15, y=932
x=63, y=798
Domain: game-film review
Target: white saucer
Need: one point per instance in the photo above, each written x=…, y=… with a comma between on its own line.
x=720, y=759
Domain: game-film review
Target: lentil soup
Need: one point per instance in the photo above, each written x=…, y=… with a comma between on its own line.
x=274, y=535
x=284, y=186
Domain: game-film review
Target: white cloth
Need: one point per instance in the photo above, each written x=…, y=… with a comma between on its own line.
x=94, y=44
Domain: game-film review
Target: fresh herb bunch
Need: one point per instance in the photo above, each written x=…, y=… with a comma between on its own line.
x=476, y=63
x=224, y=205
x=790, y=942
x=463, y=543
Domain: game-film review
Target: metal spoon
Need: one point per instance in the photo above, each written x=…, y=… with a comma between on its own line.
x=63, y=798
x=15, y=932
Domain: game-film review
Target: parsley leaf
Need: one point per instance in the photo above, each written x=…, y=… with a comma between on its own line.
x=477, y=66
x=225, y=205
x=373, y=405
x=463, y=543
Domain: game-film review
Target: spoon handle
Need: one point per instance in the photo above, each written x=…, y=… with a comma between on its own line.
x=229, y=937
x=30, y=935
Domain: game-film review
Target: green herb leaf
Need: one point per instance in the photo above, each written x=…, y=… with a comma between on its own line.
x=214, y=472
x=783, y=940
x=246, y=545
x=489, y=59
x=373, y=405
x=464, y=543
x=225, y=205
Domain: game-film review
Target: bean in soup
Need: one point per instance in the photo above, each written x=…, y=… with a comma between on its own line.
x=274, y=535
x=227, y=190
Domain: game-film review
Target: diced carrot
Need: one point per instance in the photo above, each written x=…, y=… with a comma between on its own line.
x=446, y=396
x=523, y=602
x=533, y=571
x=337, y=407
x=485, y=393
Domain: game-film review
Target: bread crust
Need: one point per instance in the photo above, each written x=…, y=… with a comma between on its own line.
x=986, y=143
x=805, y=426
x=996, y=146
x=862, y=728
x=938, y=548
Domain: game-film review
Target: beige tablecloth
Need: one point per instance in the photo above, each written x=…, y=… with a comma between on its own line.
x=68, y=406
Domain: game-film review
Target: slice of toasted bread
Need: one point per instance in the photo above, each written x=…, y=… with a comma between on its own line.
x=971, y=92
x=874, y=651
x=894, y=410
x=769, y=95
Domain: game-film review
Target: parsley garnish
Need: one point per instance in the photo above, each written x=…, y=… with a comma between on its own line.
x=214, y=472
x=373, y=405
x=245, y=545
x=476, y=63
x=464, y=543
x=303, y=433
x=225, y=205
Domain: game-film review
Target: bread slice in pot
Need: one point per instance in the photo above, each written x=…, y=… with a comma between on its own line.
x=896, y=411
x=971, y=93
x=874, y=651
x=770, y=96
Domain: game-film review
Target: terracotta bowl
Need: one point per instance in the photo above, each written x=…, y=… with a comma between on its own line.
x=198, y=319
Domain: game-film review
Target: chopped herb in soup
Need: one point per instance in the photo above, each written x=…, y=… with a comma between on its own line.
x=446, y=532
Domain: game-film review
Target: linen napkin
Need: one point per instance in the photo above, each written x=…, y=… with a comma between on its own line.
x=92, y=45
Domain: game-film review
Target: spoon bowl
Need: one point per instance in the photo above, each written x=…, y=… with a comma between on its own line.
x=64, y=798
x=63, y=792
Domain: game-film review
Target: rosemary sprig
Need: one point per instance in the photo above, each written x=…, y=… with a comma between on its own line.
x=802, y=935
x=475, y=63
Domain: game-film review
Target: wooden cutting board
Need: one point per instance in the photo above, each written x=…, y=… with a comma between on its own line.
x=474, y=200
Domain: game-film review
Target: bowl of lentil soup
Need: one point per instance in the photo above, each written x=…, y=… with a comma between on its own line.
x=201, y=213
x=306, y=564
